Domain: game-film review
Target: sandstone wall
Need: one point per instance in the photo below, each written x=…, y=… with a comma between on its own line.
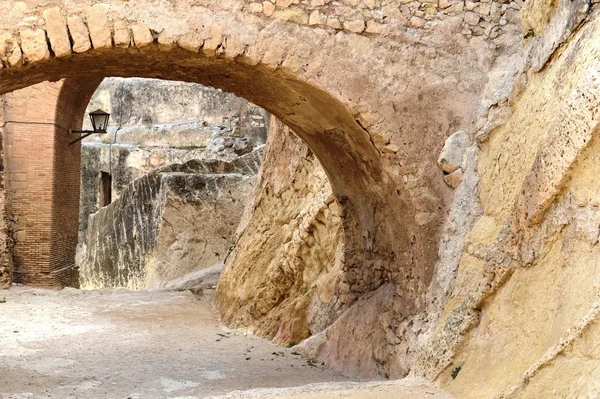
x=168, y=223
x=523, y=312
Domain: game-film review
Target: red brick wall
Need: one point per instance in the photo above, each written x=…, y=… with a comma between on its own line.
x=43, y=179
x=73, y=99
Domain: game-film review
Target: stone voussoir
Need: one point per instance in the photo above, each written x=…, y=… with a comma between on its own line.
x=58, y=34
x=79, y=34
x=99, y=27
x=34, y=45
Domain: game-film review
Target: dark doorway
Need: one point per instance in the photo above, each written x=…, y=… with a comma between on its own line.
x=105, y=189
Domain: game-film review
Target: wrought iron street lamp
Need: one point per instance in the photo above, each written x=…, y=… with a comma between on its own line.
x=99, y=120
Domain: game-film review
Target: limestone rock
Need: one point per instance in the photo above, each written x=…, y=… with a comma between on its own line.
x=356, y=26
x=472, y=18
x=200, y=279
x=210, y=124
x=121, y=35
x=175, y=203
x=353, y=330
x=212, y=44
x=166, y=40
x=191, y=41
x=451, y=157
x=455, y=178
x=299, y=252
x=292, y=14
x=10, y=51
x=536, y=14
x=315, y=18
x=334, y=23
x=233, y=47
x=268, y=8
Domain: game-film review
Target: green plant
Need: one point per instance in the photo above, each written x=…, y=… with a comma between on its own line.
x=3, y=300
x=455, y=372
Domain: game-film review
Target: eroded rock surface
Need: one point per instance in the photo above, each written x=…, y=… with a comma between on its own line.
x=521, y=321
x=280, y=280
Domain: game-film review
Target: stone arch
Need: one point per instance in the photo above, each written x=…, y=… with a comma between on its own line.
x=264, y=69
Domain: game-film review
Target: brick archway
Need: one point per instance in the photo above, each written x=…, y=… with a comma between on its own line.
x=43, y=178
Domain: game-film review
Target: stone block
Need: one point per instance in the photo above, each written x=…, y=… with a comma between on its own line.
x=34, y=45
x=355, y=26
x=377, y=28
x=142, y=37
x=121, y=35
x=233, y=47
x=79, y=34
x=334, y=23
x=166, y=40
x=268, y=8
x=56, y=29
x=472, y=18
x=292, y=14
x=99, y=27
x=212, y=44
x=191, y=41
x=10, y=51
x=315, y=18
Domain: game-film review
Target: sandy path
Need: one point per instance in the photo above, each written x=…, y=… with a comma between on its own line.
x=120, y=344
x=401, y=389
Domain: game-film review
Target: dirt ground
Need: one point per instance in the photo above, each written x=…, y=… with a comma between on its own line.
x=160, y=344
